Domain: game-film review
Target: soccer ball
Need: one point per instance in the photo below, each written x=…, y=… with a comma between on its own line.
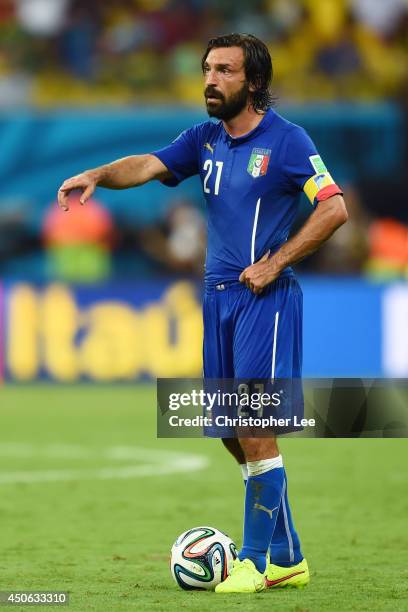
x=201, y=558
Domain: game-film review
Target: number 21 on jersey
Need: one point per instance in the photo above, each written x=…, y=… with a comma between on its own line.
x=208, y=167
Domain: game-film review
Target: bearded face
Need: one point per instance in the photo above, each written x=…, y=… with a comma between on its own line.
x=225, y=107
x=227, y=91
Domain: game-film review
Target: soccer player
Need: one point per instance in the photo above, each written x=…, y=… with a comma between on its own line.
x=253, y=166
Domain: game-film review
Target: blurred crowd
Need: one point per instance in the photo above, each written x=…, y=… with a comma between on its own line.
x=129, y=51
x=88, y=245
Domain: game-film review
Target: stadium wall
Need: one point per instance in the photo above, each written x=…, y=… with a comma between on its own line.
x=40, y=150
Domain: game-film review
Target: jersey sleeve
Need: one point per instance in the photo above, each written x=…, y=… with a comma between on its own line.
x=180, y=157
x=305, y=169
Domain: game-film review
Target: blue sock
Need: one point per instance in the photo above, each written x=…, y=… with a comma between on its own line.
x=285, y=544
x=262, y=500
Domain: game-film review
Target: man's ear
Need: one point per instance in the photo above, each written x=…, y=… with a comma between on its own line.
x=253, y=85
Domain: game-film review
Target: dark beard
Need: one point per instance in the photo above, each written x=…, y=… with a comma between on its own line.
x=227, y=109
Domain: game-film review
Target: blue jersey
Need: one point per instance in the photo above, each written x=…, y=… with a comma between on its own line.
x=252, y=185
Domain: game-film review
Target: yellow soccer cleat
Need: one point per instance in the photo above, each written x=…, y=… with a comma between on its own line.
x=244, y=578
x=296, y=576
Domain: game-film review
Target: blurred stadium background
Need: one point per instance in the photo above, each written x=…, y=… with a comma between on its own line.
x=110, y=293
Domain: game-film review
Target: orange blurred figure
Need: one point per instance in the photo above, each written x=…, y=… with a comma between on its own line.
x=79, y=242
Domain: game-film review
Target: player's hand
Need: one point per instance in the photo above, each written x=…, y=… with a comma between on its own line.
x=86, y=182
x=259, y=275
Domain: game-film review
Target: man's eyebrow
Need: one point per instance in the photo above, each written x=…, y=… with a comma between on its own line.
x=219, y=65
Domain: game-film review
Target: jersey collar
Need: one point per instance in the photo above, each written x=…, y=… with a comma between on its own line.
x=261, y=127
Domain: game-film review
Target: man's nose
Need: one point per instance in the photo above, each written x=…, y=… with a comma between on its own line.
x=211, y=77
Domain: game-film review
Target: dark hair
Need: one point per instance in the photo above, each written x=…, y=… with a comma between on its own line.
x=257, y=65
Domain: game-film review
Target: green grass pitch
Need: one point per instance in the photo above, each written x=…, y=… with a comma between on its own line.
x=79, y=512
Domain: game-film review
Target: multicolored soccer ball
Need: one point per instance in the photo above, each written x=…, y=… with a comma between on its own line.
x=201, y=558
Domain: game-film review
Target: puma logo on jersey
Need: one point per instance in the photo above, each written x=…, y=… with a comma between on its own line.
x=209, y=147
x=265, y=509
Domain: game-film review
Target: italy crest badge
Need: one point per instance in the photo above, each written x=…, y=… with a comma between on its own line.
x=258, y=162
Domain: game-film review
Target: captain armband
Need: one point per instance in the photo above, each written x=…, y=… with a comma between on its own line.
x=321, y=187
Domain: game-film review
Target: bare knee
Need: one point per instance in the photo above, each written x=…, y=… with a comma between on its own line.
x=255, y=449
x=234, y=447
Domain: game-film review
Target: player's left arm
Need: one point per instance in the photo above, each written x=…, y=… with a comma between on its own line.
x=304, y=171
x=322, y=223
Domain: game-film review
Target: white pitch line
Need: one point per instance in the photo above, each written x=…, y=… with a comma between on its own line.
x=150, y=463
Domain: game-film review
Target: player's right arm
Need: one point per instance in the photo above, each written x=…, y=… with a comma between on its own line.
x=127, y=172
